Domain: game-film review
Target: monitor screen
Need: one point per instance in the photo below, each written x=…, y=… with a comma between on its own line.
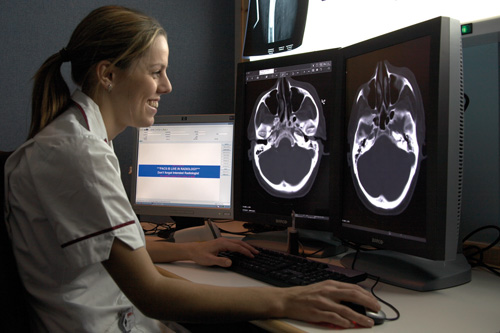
x=183, y=166
x=387, y=94
x=274, y=26
x=286, y=152
x=404, y=142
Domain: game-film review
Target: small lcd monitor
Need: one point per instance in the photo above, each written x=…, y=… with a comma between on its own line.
x=274, y=26
x=287, y=142
x=403, y=155
x=183, y=168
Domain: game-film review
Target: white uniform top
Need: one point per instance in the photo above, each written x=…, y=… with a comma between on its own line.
x=65, y=205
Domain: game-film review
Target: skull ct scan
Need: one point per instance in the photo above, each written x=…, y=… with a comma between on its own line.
x=287, y=131
x=386, y=132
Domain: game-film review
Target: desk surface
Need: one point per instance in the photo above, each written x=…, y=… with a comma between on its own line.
x=473, y=307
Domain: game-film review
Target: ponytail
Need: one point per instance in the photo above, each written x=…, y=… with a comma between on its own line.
x=114, y=33
x=50, y=93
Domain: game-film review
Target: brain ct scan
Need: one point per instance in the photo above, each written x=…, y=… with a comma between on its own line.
x=287, y=131
x=385, y=133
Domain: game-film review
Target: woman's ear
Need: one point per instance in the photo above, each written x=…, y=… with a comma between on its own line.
x=105, y=75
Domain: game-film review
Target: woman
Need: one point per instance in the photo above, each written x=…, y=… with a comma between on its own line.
x=80, y=249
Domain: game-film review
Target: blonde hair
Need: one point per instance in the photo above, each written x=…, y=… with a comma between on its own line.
x=118, y=34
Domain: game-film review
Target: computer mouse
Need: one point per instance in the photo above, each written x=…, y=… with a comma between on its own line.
x=377, y=317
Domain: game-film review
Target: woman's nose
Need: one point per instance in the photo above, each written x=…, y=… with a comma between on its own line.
x=165, y=86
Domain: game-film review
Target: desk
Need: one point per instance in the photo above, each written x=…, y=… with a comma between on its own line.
x=473, y=307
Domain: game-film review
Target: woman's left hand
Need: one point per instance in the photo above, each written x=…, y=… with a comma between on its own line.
x=206, y=253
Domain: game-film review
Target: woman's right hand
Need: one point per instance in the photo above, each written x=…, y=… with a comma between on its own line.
x=320, y=303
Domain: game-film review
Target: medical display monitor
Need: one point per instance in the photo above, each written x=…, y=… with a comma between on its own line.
x=183, y=167
x=286, y=153
x=403, y=128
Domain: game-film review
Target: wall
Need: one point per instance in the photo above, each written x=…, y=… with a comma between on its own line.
x=481, y=188
x=201, y=37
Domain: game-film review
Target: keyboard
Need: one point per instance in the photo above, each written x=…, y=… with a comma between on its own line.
x=286, y=270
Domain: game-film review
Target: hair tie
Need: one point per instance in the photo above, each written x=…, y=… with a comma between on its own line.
x=64, y=55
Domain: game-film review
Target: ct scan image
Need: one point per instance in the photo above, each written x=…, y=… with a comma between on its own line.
x=386, y=134
x=287, y=131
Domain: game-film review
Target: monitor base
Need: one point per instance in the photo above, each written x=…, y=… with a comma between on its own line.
x=410, y=272
x=184, y=222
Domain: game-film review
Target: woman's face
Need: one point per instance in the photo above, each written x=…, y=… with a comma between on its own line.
x=136, y=91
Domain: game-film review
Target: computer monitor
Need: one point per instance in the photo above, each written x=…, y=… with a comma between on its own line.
x=183, y=168
x=287, y=143
x=403, y=165
x=274, y=26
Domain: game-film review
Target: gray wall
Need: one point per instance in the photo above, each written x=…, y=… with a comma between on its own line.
x=201, y=37
x=481, y=188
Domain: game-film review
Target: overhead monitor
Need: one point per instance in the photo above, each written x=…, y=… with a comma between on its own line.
x=274, y=26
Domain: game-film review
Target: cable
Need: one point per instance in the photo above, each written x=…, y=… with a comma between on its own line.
x=372, y=290
x=157, y=227
x=310, y=255
x=377, y=279
x=473, y=258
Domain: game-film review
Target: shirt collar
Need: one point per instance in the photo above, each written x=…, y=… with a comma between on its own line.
x=91, y=113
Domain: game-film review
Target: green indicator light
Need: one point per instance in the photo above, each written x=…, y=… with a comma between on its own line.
x=466, y=29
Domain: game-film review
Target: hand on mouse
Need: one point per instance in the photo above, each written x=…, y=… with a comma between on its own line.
x=205, y=253
x=320, y=303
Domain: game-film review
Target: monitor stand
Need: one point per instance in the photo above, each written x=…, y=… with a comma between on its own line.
x=408, y=271
x=181, y=222
x=184, y=222
x=314, y=243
